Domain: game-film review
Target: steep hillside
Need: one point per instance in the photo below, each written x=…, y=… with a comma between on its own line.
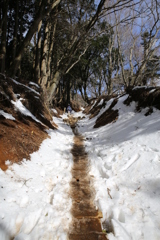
x=145, y=98
x=122, y=142
x=24, y=120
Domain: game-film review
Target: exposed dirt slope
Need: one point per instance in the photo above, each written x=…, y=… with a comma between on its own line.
x=94, y=107
x=22, y=135
x=144, y=97
x=108, y=116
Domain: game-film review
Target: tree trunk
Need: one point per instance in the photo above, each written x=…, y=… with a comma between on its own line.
x=110, y=68
x=1, y=19
x=50, y=52
x=21, y=49
x=42, y=12
x=15, y=31
x=3, y=37
x=100, y=87
x=53, y=85
x=34, y=53
x=131, y=67
x=44, y=75
x=68, y=91
x=80, y=89
x=120, y=52
x=85, y=92
x=38, y=54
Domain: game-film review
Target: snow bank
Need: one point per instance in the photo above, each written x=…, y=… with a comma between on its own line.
x=34, y=195
x=125, y=164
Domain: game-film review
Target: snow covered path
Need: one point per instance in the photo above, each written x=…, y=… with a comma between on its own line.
x=34, y=195
x=35, y=201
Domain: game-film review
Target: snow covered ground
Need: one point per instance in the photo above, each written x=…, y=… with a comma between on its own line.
x=34, y=195
x=125, y=163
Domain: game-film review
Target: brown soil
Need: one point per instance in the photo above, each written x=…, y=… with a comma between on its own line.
x=94, y=111
x=108, y=116
x=145, y=97
x=86, y=219
x=22, y=136
x=18, y=140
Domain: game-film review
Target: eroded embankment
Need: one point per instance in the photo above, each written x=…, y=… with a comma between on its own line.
x=85, y=218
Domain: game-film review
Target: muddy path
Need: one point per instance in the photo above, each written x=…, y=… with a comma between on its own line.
x=85, y=217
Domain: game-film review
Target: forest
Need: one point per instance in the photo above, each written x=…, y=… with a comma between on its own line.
x=78, y=49
x=94, y=172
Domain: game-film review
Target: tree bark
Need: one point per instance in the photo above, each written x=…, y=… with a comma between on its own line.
x=120, y=52
x=3, y=37
x=100, y=87
x=110, y=68
x=51, y=51
x=68, y=90
x=85, y=92
x=44, y=75
x=1, y=19
x=53, y=85
x=131, y=66
x=34, y=53
x=15, y=31
x=38, y=54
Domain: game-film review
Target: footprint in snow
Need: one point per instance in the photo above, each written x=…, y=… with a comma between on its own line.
x=154, y=150
x=157, y=158
x=24, y=202
x=111, y=158
x=30, y=221
x=42, y=173
x=107, y=166
x=121, y=217
x=133, y=159
x=114, y=149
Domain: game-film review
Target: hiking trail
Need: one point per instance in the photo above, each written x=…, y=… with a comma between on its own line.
x=85, y=223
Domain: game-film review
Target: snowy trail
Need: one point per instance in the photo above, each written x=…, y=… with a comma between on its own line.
x=85, y=217
x=124, y=158
x=34, y=195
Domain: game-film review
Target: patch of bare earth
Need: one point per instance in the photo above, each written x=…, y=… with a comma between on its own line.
x=94, y=107
x=108, y=116
x=18, y=140
x=145, y=97
x=22, y=136
x=86, y=218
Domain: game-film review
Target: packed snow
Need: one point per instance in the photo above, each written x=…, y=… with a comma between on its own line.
x=6, y=115
x=34, y=84
x=100, y=103
x=31, y=89
x=19, y=106
x=124, y=161
x=34, y=195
